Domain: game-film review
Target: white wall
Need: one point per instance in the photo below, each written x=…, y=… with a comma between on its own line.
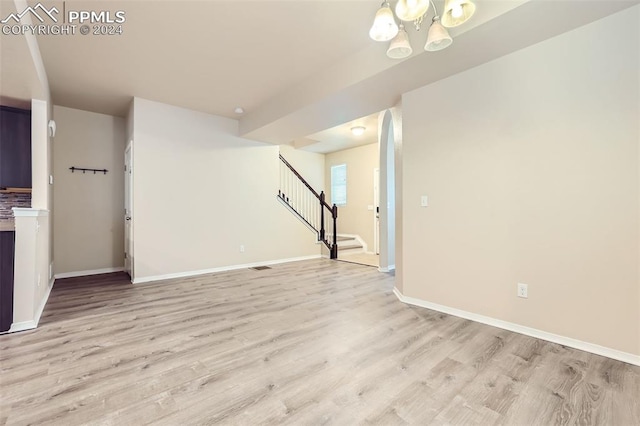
x=531, y=165
x=31, y=286
x=37, y=277
x=41, y=169
x=129, y=124
x=200, y=192
x=89, y=219
x=355, y=218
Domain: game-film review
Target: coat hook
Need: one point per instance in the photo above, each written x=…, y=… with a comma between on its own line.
x=74, y=168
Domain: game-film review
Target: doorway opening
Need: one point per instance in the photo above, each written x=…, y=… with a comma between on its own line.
x=376, y=211
x=128, y=210
x=387, y=197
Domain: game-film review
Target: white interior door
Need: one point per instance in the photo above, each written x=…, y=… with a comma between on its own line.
x=128, y=201
x=376, y=210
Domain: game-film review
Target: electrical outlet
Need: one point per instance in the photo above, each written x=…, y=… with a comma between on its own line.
x=241, y=249
x=523, y=290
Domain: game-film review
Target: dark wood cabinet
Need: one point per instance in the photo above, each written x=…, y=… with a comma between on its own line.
x=7, y=246
x=15, y=148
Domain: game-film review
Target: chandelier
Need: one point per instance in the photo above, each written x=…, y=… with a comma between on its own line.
x=385, y=28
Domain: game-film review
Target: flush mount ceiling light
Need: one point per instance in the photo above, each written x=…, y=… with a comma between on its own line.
x=358, y=130
x=456, y=12
x=239, y=110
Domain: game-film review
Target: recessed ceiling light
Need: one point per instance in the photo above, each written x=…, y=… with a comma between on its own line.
x=358, y=130
x=239, y=110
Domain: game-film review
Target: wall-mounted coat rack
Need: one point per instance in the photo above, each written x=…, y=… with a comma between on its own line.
x=73, y=169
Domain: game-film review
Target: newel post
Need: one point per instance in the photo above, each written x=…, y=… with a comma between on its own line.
x=334, y=247
x=322, y=231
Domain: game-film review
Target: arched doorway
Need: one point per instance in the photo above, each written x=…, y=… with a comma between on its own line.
x=387, y=143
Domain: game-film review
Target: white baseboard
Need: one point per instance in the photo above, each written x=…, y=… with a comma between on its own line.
x=43, y=303
x=31, y=324
x=21, y=326
x=527, y=331
x=222, y=269
x=90, y=272
x=387, y=269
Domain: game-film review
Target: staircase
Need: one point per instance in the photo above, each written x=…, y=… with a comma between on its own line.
x=309, y=206
x=349, y=245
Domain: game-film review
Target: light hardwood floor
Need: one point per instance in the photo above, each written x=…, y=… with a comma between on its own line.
x=306, y=343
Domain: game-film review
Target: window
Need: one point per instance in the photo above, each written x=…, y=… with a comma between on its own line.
x=339, y=185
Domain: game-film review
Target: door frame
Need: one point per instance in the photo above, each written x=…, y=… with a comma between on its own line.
x=128, y=210
x=376, y=210
x=388, y=190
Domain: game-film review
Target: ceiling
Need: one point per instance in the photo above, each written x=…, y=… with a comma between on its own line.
x=208, y=56
x=18, y=80
x=341, y=137
x=296, y=67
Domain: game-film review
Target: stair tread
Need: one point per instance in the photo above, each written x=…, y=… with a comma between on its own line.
x=350, y=246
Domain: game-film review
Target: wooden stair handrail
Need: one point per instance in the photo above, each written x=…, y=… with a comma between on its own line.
x=304, y=181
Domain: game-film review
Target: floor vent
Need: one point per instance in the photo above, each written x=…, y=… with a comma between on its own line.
x=260, y=268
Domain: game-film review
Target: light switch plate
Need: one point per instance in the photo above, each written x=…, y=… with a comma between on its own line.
x=424, y=201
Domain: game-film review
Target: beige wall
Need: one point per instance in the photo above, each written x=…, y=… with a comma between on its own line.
x=200, y=192
x=531, y=166
x=355, y=218
x=88, y=220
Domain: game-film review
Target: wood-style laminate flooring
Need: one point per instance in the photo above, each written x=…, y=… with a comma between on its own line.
x=305, y=343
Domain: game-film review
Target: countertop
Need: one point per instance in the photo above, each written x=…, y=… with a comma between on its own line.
x=7, y=225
